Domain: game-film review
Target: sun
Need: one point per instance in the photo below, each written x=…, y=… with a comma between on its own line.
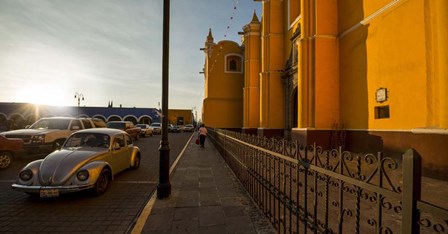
x=43, y=95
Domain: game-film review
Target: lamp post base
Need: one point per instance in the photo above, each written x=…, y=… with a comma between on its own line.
x=163, y=190
x=164, y=185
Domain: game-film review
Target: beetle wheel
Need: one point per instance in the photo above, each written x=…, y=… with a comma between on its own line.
x=5, y=159
x=102, y=183
x=136, y=164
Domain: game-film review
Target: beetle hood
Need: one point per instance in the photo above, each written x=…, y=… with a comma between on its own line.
x=60, y=165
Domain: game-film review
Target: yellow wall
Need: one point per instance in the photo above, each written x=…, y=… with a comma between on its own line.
x=221, y=113
x=389, y=51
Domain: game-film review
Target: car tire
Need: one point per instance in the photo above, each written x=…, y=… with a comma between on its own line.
x=102, y=183
x=5, y=159
x=136, y=163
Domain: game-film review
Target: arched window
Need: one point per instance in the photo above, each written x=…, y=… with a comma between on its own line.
x=233, y=63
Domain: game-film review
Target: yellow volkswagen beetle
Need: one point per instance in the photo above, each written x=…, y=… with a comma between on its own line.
x=88, y=160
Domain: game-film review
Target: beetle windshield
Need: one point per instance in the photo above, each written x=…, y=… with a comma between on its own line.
x=88, y=139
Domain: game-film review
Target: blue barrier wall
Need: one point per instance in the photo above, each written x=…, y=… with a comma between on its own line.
x=18, y=115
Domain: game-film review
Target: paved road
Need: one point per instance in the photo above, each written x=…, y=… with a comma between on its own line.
x=114, y=212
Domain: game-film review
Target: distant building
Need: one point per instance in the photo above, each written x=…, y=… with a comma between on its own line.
x=180, y=116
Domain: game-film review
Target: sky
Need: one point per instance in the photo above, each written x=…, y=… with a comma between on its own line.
x=111, y=50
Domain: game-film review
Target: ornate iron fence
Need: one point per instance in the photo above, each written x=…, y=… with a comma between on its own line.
x=309, y=189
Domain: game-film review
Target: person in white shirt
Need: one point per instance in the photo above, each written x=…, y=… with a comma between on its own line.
x=202, y=132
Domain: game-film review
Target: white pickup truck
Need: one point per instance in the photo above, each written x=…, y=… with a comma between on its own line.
x=46, y=134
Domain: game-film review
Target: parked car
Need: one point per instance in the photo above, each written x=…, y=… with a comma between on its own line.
x=126, y=126
x=176, y=129
x=156, y=128
x=189, y=128
x=46, y=134
x=9, y=148
x=145, y=130
x=88, y=160
x=99, y=123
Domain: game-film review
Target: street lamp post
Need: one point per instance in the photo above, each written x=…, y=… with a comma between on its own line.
x=80, y=98
x=164, y=186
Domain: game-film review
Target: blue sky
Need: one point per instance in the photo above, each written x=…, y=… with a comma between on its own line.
x=110, y=50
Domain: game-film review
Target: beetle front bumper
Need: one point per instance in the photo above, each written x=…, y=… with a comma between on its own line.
x=60, y=189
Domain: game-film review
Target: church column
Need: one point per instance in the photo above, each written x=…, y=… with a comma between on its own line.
x=273, y=61
x=306, y=77
x=252, y=54
x=442, y=61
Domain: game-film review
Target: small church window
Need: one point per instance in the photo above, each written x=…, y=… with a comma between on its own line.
x=233, y=63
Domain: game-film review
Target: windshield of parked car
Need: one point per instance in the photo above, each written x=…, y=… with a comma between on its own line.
x=51, y=124
x=116, y=125
x=88, y=140
x=155, y=124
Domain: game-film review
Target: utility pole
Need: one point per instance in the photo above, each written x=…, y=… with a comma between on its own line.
x=164, y=186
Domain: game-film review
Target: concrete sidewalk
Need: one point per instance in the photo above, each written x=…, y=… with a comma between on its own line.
x=206, y=197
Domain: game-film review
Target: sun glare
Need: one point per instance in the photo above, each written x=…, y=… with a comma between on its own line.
x=43, y=95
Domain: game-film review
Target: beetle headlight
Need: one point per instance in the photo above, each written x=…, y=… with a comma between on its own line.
x=82, y=175
x=26, y=175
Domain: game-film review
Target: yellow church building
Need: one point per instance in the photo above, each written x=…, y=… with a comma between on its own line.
x=366, y=75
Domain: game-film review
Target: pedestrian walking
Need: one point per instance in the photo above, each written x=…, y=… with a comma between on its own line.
x=202, y=132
